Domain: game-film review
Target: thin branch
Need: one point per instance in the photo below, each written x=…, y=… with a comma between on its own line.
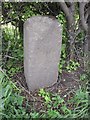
x=87, y=13
x=8, y=21
x=86, y=16
x=7, y=56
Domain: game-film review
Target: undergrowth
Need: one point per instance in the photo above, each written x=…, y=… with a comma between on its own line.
x=11, y=103
x=11, y=100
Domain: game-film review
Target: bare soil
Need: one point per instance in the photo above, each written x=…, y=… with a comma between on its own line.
x=66, y=86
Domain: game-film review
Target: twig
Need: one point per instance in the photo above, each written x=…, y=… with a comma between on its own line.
x=25, y=90
x=10, y=57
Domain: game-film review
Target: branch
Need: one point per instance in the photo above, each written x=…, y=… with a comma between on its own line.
x=82, y=18
x=86, y=16
x=87, y=13
x=67, y=12
x=6, y=22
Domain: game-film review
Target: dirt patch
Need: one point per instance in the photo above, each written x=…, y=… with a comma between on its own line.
x=66, y=81
x=65, y=87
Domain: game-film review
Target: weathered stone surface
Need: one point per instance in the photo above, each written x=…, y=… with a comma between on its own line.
x=42, y=44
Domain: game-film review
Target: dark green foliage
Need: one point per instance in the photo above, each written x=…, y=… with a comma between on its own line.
x=11, y=100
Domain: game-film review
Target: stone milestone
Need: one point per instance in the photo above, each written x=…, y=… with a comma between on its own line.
x=42, y=46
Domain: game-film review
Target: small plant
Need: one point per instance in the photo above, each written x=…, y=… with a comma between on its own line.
x=53, y=114
x=56, y=107
x=60, y=67
x=45, y=95
x=13, y=70
x=34, y=114
x=57, y=100
x=83, y=77
x=59, y=104
x=63, y=57
x=72, y=66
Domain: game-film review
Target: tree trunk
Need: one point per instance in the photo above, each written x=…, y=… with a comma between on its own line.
x=69, y=12
x=89, y=43
x=89, y=58
x=71, y=40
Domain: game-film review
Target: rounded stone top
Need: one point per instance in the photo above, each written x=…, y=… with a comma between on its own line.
x=44, y=19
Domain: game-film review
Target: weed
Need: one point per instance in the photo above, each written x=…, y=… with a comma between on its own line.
x=72, y=66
